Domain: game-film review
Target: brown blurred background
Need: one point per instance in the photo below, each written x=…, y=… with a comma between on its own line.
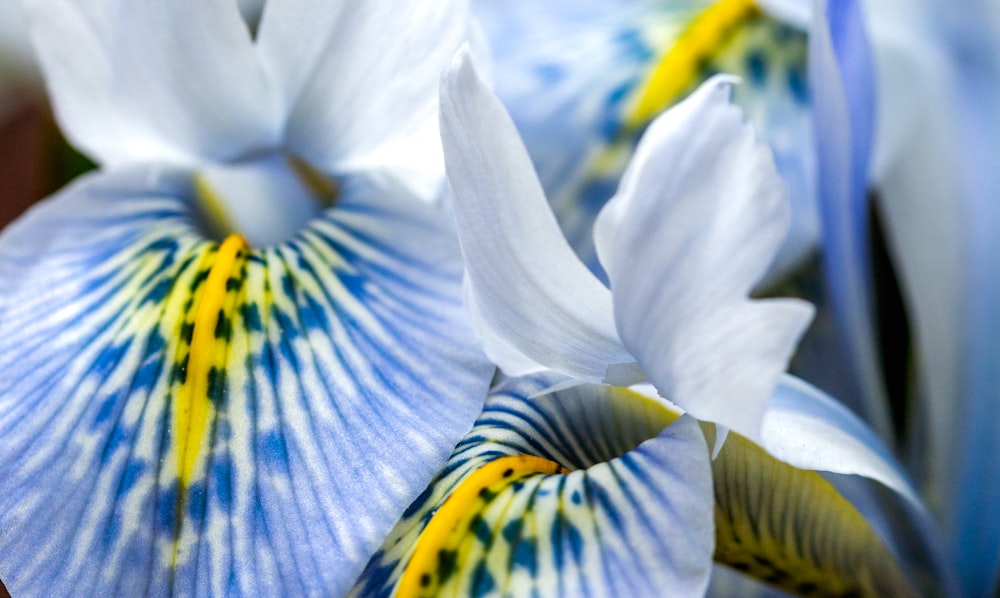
x=27, y=143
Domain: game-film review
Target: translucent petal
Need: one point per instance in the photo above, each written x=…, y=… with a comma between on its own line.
x=632, y=517
x=969, y=475
x=335, y=377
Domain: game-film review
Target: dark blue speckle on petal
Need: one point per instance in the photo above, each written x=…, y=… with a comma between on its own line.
x=222, y=480
x=756, y=68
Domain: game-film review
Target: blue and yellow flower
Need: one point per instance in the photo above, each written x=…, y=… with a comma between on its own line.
x=234, y=355
x=567, y=486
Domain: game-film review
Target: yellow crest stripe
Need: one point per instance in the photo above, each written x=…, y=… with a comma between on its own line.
x=458, y=510
x=194, y=402
x=682, y=63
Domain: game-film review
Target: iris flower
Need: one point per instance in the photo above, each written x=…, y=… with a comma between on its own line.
x=183, y=412
x=905, y=121
x=595, y=489
x=607, y=69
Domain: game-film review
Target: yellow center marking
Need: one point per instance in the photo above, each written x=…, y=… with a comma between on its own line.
x=194, y=403
x=457, y=512
x=213, y=205
x=683, y=62
x=323, y=188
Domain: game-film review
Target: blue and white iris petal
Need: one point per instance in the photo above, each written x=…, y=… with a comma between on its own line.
x=346, y=344
x=632, y=516
x=945, y=227
x=343, y=367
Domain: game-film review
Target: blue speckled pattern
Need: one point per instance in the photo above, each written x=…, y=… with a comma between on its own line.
x=632, y=518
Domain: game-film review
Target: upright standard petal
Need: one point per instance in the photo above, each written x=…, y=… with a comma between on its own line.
x=697, y=220
x=135, y=81
x=184, y=417
x=535, y=304
x=933, y=233
x=355, y=100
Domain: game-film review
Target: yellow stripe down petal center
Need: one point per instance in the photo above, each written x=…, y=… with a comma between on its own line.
x=206, y=359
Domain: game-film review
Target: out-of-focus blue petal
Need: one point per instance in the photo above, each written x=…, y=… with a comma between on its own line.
x=342, y=374
x=841, y=87
x=571, y=72
x=973, y=494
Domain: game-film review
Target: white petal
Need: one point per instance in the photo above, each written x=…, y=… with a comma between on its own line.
x=697, y=220
x=153, y=80
x=528, y=289
x=359, y=81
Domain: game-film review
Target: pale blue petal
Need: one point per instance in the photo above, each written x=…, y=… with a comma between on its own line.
x=919, y=171
x=728, y=583
x=633, y=517
x=349, y=375
x=841, y=88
